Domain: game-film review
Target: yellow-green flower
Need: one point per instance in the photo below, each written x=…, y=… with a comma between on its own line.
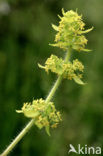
x=68, y=70
x=70, y=32
x=45, y=114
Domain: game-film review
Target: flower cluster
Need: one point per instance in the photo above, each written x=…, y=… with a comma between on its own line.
x=70, y=32
x=45, y=114
x=69, y=36
x=68, y=70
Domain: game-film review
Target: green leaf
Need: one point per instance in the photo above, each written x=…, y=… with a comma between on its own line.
x=30, y=113
x=79, y=81
x=87, y=50
x=40, y=66
x=55, y=27
x=59, y=16
x=39, y=125
x=19, y=111
x=86, y=31
x=63, y=12
x=47, y=129
x=53, y=44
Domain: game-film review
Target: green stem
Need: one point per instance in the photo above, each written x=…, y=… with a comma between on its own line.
x=55, y=86
x=58, y=81
x=18, y=138
x=31, y=122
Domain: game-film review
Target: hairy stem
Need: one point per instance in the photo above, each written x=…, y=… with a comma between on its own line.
x=31, y=122
x=58, y=81
x=18, y=138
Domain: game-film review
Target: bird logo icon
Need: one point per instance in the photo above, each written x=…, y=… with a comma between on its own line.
x=72, y=149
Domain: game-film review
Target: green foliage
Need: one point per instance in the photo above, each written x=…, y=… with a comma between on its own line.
x=24, y=35
x=43, y=112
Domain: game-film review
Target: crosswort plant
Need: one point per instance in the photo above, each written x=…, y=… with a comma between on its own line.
x=69, y=36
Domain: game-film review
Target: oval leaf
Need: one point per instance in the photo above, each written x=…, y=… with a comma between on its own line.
x=47, y=130
x=79, y=81
x=55, y=27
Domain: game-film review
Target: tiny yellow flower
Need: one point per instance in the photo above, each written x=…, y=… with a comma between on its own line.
x=68, y=70
x=70, y=32
x=45, y=114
